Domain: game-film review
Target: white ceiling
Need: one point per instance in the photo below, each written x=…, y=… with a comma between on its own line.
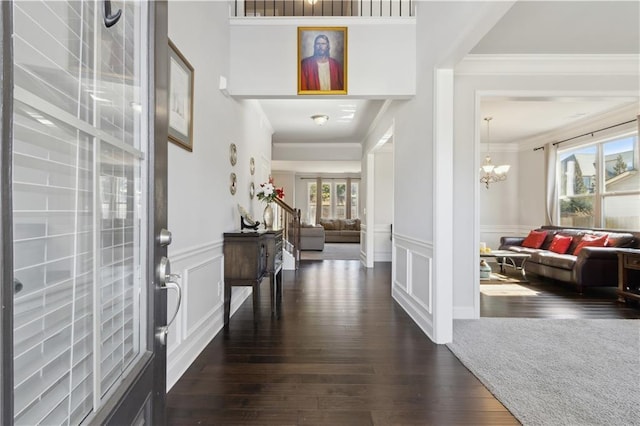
x=349, y=119
x=516, y=119
x=528, y=27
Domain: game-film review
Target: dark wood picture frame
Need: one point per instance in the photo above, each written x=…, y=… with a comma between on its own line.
x=312, y=38
x=181, y=76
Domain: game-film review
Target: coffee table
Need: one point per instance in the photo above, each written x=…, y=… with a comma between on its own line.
x=508, y=258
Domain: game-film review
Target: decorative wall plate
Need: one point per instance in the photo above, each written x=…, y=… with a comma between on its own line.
x=252, y=166
x=252, y=190
x=233, y=181
x=233, y=154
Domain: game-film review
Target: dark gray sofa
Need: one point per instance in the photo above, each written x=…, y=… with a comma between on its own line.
x=592, y=267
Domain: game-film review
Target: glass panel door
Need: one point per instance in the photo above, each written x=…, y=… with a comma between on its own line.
x=80, y=208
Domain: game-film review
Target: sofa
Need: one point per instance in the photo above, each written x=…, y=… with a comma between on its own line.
x=582, y=257
x=341, y=230
x=311, y=237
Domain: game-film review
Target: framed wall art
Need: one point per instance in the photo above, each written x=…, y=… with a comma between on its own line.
x=322, y=60
x=180, y=99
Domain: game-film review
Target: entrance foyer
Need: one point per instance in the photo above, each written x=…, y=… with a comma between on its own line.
x=342, y=352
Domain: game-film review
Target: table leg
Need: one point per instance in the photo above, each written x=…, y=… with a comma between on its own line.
x=278, y=280
x=272, y=287
x=227, y=303
x=256, y=301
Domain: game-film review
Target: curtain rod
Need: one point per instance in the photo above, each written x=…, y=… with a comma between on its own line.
x=587, y=134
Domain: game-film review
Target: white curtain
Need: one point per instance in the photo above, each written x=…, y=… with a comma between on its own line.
x=551, y=193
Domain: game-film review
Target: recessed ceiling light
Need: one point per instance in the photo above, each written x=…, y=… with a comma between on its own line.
x=320, y=119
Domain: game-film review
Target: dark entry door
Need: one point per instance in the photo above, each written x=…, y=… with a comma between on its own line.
x=82, y=244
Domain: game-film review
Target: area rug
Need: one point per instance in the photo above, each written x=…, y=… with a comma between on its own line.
x=495, y=278
x=506, y=290
x=556, y=372
x=333, y=251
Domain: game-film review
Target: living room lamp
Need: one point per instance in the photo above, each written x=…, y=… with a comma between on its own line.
x=489, y=172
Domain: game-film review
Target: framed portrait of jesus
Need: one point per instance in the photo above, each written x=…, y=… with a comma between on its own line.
x=322, y=60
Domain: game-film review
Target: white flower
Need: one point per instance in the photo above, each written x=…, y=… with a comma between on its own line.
x=267, y=189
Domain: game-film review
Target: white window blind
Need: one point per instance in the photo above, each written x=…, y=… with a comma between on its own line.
x=77, y=177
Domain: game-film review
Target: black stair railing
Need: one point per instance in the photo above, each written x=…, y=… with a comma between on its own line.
x=364, y=8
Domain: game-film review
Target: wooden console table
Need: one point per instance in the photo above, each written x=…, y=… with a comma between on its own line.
x=248, y=257
x=628, y=275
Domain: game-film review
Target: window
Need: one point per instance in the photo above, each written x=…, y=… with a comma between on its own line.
x=312, y=201
x=355, y=191
x=339, y=199
x=326, y=200
x=599, y=185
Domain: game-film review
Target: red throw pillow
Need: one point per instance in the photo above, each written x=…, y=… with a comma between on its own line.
x=534, y=239
x=560, y=243
x=590, y=241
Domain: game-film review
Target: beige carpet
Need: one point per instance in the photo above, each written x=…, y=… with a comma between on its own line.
x=333, y=251
x=506, y=290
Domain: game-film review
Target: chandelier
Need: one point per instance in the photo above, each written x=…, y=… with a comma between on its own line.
x=488, y=172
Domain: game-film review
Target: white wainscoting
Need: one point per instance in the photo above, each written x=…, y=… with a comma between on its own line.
x=412, y=279
x=490, y=234
x=382, y=244
x=200, y=316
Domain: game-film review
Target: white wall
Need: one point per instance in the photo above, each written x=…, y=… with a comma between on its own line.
x=373, y=45
x=201, y=207
x=422, y=281
x=286, y=181
x=499, y=203
x=383, y=203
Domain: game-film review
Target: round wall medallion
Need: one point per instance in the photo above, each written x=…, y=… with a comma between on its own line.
x=252, y=165
x=233, y=154
x=252, y=190
x=233, y=183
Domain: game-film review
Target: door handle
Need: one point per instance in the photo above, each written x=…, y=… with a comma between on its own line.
x=110, y=19
x=168, y=281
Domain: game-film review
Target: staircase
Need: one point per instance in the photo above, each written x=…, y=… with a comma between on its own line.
x=288, y=218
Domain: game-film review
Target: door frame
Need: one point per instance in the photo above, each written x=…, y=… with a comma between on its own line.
x=6, y=215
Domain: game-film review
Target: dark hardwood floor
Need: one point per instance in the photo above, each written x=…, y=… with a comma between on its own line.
x=557, y=300
x=342, y=353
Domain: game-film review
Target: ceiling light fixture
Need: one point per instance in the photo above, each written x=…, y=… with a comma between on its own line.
x=320, y=119
x=312, y=2
x=489, y=172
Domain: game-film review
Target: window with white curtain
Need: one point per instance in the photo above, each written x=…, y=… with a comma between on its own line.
x=599, y=184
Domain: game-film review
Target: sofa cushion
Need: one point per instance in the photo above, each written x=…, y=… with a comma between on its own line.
x=619, y=240
x=534, y=239
x=560, y=243
x=351, y=224
x=520, y=249
x=548, y=258
x=330, y=224
x=590, y=240
x=549, y=238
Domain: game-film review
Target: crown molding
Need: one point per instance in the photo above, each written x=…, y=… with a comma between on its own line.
x=332, y=145
x=617, y=64
x=586, y=125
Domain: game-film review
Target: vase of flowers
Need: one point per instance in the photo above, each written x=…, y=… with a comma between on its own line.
x=268, y=193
